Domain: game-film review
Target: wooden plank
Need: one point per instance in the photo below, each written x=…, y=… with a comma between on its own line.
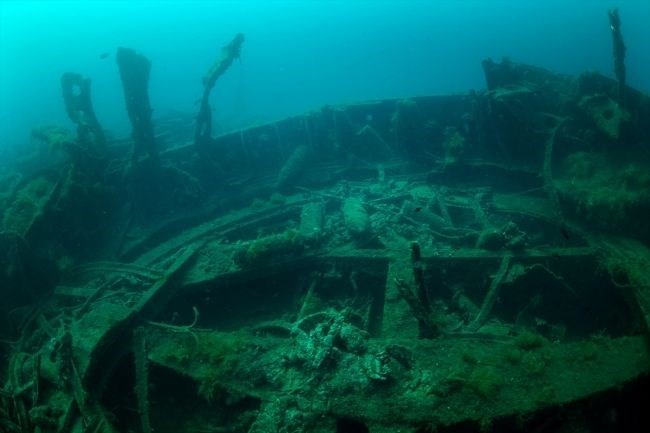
x=398, y=320
x=443, y=255
x=151, y=302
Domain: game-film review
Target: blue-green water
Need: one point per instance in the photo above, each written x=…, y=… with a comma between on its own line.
x=298, y=55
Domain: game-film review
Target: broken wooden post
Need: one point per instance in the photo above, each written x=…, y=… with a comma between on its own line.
x=79, y=107
x=229, y=53
x=619, y=52
x=427, y=329
x=134, y=73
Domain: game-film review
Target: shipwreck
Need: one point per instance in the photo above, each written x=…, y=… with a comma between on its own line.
x=466, y=262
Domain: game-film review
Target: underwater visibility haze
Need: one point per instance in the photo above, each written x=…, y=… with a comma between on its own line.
x=324, y=216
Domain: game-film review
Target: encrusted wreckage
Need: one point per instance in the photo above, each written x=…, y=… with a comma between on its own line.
x=475, y=261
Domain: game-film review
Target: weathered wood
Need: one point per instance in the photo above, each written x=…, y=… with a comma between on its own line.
x=398, y=320
x=492, y=294
x=95, y=352
x=134, y=73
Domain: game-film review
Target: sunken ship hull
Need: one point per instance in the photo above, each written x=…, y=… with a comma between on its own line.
x=439, y=263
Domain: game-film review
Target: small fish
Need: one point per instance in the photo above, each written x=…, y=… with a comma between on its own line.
x=417, y=209
x=105, y=55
